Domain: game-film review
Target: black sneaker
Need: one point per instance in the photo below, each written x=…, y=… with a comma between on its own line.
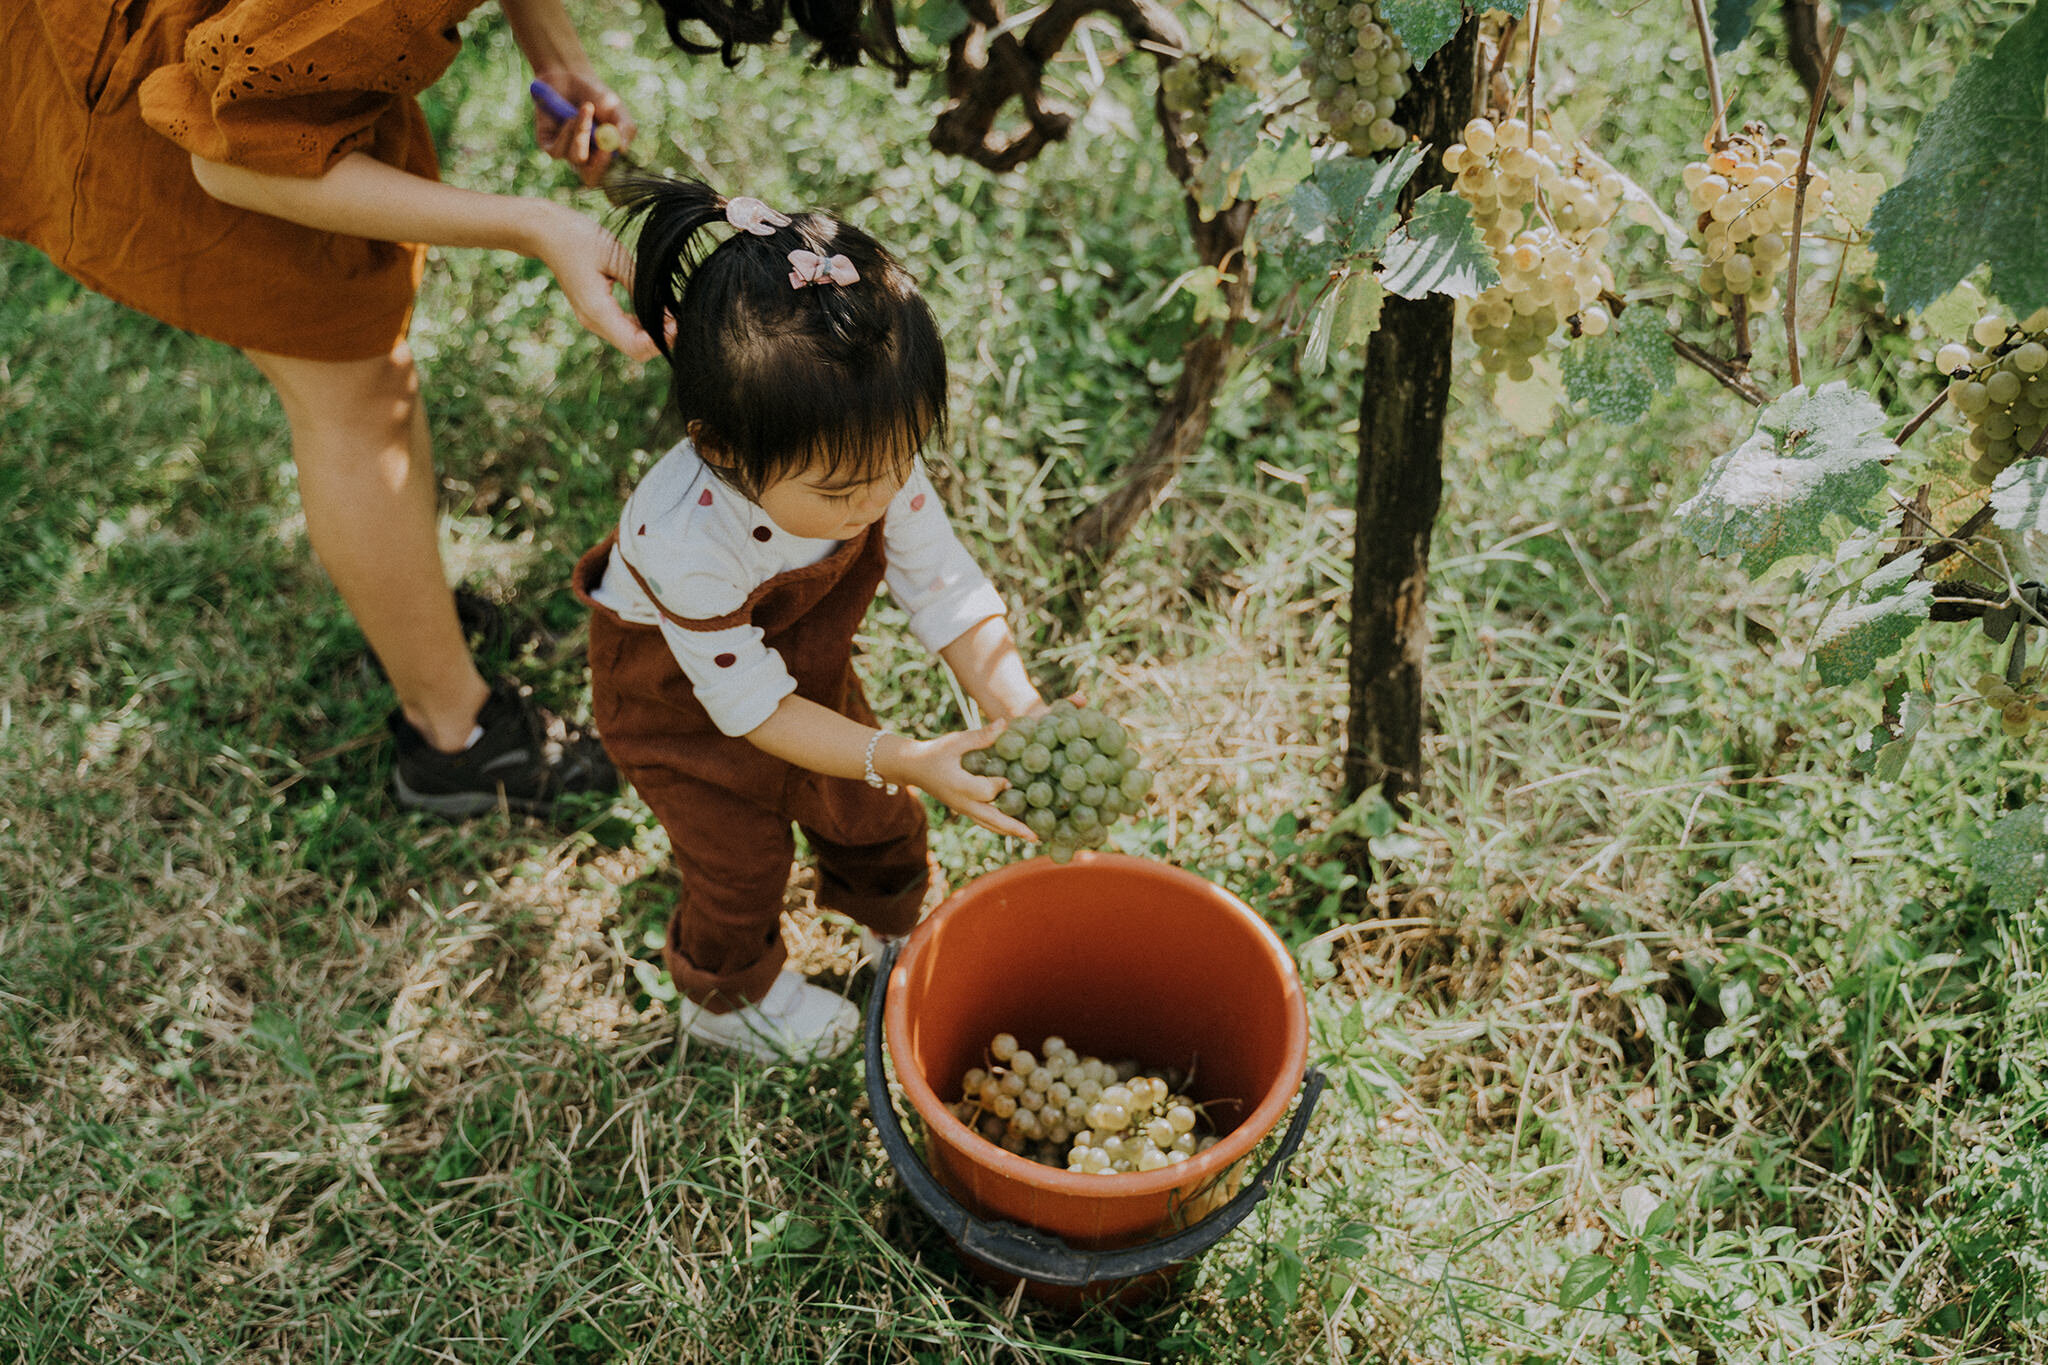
x=495, y=635
x=525, y=759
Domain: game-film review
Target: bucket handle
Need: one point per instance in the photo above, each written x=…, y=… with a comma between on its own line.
x=1026, y=1251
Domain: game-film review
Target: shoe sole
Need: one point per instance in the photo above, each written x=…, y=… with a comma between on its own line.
x=465, y=805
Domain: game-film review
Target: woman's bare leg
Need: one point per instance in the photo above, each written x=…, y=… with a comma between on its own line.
x=367, y=483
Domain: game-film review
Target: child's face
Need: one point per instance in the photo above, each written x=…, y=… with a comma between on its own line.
x=811, y=504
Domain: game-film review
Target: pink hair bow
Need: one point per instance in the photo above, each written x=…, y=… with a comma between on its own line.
x=749, y=214
x=808, y=267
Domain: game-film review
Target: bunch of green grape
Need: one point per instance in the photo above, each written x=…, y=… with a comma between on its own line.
x=1357, y=70
x=2000, y=386
x=1744, y=195
x=1545, y=209
x=1071, y=772
x=1191, y=85
x=1060, y=1108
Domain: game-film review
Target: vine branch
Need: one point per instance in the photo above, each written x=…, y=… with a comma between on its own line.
x=1820, y=99
x=1730, y=376
x=1699, y=20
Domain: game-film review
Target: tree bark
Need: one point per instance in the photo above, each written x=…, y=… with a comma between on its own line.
x=1406, y=388
x=1183, y=423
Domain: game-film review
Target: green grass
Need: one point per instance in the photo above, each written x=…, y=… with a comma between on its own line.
x=285, y=1075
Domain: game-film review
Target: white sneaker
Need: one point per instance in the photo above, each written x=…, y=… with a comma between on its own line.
x=795, y=1021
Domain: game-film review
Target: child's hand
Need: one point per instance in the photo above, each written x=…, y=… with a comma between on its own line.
x=934, y=766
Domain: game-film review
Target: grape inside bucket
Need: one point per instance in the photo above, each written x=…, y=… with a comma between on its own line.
x=1120, y=957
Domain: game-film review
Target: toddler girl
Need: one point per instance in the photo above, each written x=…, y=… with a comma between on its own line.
x=809, y=374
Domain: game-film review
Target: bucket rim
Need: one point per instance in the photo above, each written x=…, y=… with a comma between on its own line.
x=1197, y=1171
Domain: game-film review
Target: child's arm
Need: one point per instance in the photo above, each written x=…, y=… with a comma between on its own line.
x=985, y=659
x=364, y=197
x=820, y=739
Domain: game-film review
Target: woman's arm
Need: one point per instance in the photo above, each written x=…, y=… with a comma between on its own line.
x=820, y=739
x=363, y=197
x=548, y=37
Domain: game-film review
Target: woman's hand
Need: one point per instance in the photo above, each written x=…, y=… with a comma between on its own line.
x=575, y=140
x=588, y=262
x=933, y=765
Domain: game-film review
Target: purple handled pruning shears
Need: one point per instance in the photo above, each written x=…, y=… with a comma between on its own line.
x=551, y=100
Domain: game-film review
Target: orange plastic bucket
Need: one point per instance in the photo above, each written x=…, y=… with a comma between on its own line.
x=1124, y=957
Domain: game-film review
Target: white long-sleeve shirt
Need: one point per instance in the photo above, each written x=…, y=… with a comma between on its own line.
x=702, y=549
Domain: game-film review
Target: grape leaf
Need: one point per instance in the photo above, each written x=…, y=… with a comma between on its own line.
x=1275, y=166
x=1438, y=251
x=1232, y=139
x=2012, y=859
x=1814, y=454
x=2019, y=497
x=1358, y=310
x=1617, y=374
x=1872, y=622
x=1242, y=165
x=1423, y=26
x=1732, y=22
x=941, y=20
x=1890, y=742
x=1343, y=212
x=1976, y=183
x=1347, y=313
x=1513, y=9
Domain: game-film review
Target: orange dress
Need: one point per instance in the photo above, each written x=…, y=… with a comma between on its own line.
x=105, y=102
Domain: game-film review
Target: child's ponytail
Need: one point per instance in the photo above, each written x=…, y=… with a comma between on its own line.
x=672, y=216
x=793, y=339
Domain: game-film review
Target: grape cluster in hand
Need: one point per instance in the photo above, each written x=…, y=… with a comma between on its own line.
x=1544, y=209
x=2000, y=386
x=1071, y=772
x=1357, y=69
x=1060, y=1108
x=1743, y=193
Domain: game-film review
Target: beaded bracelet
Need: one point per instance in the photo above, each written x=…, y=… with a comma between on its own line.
x=874, y=779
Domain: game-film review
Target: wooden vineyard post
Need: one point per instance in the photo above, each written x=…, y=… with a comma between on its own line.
x=1406, y=386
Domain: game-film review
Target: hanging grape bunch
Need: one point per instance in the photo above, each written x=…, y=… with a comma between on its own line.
x=1544, y=209
x=1071, y=772
x=2018, y=706
x=2000, y=386
x=1190, y=86
x=1060, y=1108
x=1744, y=193
x=1357, y=68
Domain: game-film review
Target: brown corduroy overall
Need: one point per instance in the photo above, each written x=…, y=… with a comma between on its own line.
x=728, y=806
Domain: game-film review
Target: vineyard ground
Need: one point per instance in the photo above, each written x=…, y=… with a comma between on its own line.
x=286, y=1076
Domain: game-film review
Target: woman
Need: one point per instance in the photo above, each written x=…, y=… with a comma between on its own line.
x=259, y=172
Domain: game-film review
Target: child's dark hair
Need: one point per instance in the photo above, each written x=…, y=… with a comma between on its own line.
x=846, y=30
x=844, y=381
